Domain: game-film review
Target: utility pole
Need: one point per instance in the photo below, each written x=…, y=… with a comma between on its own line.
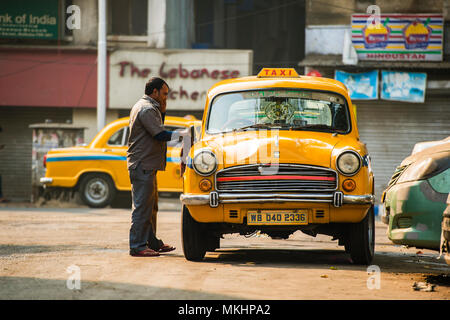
x=101, y=66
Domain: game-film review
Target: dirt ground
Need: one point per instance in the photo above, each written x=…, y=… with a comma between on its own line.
x=46, y=252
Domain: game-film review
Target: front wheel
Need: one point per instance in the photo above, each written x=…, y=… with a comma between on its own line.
x=362, y=239
x=193, y=237
x=97, y=190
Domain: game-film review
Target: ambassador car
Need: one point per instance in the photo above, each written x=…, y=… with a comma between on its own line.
x=278, y=153
x=416, y=197
x=99, y=169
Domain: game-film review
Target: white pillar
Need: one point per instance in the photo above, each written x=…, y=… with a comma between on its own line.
x=101, y=66
x=156, y=22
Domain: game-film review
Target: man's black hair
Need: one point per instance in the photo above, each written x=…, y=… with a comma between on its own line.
x=154, y=83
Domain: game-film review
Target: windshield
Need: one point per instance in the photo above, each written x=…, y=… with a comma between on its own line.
x=281, y=109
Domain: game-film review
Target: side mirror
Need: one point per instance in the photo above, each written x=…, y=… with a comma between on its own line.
x=192, y=134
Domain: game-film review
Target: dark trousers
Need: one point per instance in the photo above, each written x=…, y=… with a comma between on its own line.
x=144, y=194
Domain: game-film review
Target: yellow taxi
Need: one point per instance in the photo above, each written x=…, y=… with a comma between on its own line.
x=99, y=169
x=278, y=153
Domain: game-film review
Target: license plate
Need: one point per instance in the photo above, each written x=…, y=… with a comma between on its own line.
x=274, y=217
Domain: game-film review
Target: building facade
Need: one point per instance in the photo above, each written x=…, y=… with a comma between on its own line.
x=48, y=64
x=48, y=68
x=44, y=78
x=339, y=43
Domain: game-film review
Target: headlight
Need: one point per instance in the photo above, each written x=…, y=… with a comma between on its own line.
x=204, y=163
x=348, y=163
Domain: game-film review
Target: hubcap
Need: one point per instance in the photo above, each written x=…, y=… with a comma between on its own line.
x=96, y=190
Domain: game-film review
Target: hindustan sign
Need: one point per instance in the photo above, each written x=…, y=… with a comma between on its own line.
x=401, y=37
x=189, y=73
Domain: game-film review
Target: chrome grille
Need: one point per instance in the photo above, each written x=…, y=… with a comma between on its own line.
x=284, y=177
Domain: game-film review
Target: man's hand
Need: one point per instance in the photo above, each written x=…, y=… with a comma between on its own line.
x=178, y=135
x=183, y=133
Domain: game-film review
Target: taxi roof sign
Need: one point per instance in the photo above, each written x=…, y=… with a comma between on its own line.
x=278, y=73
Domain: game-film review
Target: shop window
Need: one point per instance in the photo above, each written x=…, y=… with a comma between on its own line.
x=255, y=25
x=127, y=17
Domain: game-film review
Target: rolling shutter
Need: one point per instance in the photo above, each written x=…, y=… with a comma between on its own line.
x=15, y=158
x=391, y=129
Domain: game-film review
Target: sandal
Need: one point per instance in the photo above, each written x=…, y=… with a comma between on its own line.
x=145, y=253
x=166, y=248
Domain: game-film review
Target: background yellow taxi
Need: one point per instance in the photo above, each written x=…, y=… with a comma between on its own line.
x=99, y=169
x=278, y=153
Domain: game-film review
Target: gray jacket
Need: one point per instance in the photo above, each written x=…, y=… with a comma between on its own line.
x=145, y=123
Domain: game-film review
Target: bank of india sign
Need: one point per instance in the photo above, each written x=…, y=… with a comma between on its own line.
x=22, y=19
x=189, y=73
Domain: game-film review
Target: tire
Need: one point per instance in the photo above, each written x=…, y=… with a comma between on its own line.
x=97, y=190
x=193, y=237
x=213, y=242
x=347, y=247
x=362, y=239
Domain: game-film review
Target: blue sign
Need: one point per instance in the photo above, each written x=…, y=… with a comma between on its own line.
x=361, y=86
x=403, y=86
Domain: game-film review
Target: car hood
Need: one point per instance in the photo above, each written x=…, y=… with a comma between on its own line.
x=311, y=148
x=421, y=146
x=438, y=151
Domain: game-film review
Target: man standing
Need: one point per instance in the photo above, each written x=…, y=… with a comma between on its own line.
x=147, y=148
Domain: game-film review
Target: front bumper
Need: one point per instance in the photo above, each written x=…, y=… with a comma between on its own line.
x=46, y=180
x=414, y=214
x=214, y=198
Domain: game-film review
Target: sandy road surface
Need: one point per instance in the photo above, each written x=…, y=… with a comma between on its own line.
x=42, y=248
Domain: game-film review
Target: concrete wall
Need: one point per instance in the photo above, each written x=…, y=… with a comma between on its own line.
x=336, y=12
x=88, y=33
x=314, y=36
x=156, y=24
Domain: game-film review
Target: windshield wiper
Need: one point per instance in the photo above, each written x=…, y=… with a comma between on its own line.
x=313, y=126
x=254, y=126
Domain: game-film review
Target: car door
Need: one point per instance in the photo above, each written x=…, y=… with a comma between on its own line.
x=116, y=145
x=170, y=180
